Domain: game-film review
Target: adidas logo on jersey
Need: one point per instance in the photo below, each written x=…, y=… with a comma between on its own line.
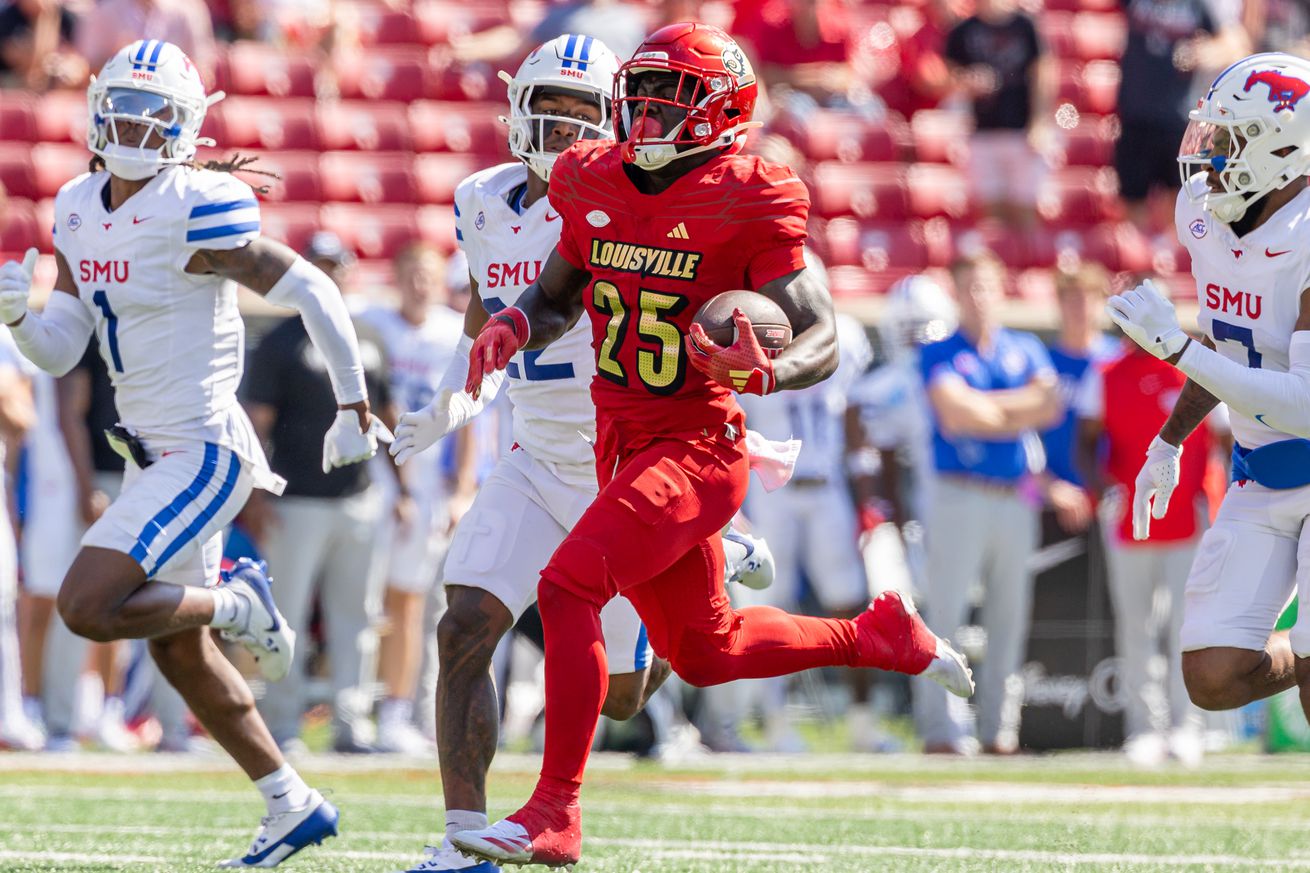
x=679, y=232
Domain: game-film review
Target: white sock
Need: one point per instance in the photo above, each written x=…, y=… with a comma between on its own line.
x=283, y=790
x=464, y=820
x=395, y=710
x=231, y=610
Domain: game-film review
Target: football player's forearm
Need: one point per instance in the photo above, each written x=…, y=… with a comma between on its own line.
x=1193, y=405
x=56, y=339
x=1279, y=400
x=811, y=357
x=548, y=318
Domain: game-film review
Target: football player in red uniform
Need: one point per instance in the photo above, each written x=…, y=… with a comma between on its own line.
x=654, y=225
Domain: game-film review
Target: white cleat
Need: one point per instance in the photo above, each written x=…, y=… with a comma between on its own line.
x=266, y=634
x=756, y=569
x=402, y=738
x=283, y=834
x=448, y=859
x=506, y=842
x=950, y=670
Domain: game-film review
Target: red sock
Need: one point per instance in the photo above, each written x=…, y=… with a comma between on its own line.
x=577, y=678
x=766, y=642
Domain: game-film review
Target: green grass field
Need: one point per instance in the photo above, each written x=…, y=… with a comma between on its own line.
x=731, y=814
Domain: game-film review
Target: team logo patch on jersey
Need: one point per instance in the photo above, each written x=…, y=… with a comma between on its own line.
x=481, y=221
x=596, y=218
x=1284, y=91
x=1197, y=228
x=74, y=221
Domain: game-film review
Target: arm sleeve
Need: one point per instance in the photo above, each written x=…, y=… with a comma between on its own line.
x=1279, y=400
x=222, y=214
x=327, y=321
x=55, y=339
x=777, y=230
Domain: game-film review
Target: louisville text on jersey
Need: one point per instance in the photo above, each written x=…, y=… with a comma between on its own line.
x=645, y=260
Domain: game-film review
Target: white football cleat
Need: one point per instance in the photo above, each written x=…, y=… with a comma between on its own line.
x=266, y=634
x=756, y=569
x=283, y=834
x=505, y=841
x=448, y=859
x=950, y=670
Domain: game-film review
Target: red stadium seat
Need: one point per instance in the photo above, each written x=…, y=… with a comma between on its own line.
x=368, y=177
x=54, y=164
x=268, y=123
x=389, y=73
x=297, y=176
x=1099, y=35
x=874, y=191
x=381, y=26
x=1056, y=29
x=439, y=20
x=364, y=125
x=17, y=116
x=458, y=126
x=855, y=282
x=879, y=246
x=290, y=223
x=460, y=82
x=438, y=175
x=938, y=190
x=941, y=136
x=16, y=172
x=257, y=68
x=18, y=226
x=45, y=224
x=1080, y=195
x=372, y=231
x=835, y=135
x=1091, y=142
x=436, y=225
x=60, y=116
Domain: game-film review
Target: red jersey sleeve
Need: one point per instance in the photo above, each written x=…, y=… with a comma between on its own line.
x=562, y=194
x=777, y=229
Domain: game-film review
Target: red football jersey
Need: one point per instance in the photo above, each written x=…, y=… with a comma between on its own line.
x=736, y=222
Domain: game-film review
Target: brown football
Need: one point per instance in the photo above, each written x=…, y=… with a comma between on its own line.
x=772, y=329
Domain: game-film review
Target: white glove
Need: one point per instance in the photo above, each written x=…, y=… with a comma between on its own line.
x=1155, y=485
x=449, y=411
x=344, y=443
x=1148, y=318
x=16, y=287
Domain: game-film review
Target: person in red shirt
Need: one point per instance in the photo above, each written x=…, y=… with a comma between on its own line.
x=654, y=225
x=1120, y=407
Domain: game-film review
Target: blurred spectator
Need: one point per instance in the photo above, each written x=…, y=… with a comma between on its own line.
x=1121, y=407
x=999, y=63
x=924, y=78
x=35, y=46
x=988, y=387
x=1278, y=25
x=17, y=416
x=798, y=46
x=810, y=523
x=322, y=534
x=419, y=339
x=111, y=24
x=1168, y=41
x=619, y=24
x=1081, y=294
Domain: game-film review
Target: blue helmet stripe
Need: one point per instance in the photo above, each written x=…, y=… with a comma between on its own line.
x=141, y=52
x=585, y=54
x=154, y=56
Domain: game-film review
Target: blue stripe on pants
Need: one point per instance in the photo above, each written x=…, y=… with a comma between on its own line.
x=206, y=515
x=165, y=516
x=641, y=657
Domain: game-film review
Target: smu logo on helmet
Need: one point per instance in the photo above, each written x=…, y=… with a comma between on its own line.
x=1284, y=91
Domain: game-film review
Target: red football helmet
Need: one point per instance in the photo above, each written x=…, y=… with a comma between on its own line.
x=715, y=91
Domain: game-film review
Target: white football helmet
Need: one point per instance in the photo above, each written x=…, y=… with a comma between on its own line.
x=1251, y=130
x=151, y=83
x=917, y=311
x=572, y=62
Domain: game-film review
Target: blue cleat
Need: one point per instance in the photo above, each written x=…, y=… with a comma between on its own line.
x=448, y=859
x=266, y=634
x=282, y=835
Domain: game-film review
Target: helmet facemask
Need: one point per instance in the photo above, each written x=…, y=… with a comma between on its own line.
x=137, y=131
x=641, y=118
x=530, y=131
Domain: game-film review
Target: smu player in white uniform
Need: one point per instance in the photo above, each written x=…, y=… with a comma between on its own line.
x=1244, y=216
x=149, y=249
x=539, y=489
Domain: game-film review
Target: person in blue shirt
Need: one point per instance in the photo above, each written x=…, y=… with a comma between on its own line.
x=1080, y=294
x=990, y=389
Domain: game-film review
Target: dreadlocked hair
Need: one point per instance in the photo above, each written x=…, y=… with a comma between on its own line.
x=235, y=164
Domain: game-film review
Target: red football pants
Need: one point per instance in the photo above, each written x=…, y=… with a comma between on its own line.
x=653, y=534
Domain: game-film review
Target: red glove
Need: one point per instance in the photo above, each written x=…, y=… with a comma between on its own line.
x=499, y=340
x=744, y=366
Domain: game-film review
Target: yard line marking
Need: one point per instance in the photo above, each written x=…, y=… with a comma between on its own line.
x=82, y=857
